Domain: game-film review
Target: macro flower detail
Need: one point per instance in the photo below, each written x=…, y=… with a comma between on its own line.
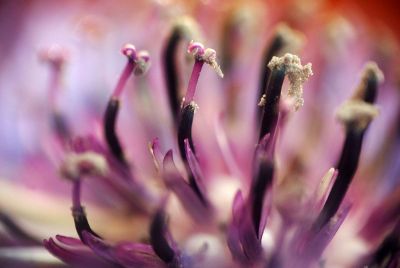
x=257, y=153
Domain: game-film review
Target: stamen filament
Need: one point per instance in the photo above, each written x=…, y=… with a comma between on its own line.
x=126, y=73
x=271, y=105
x=171, y=72
x=110, y=119
x=194, y=78
x=56, y=56
x=260, y=184
x=185, y=134
x=265, y=73
x=138, y=62
x=78, y=212
x=159, y=240
x=356, y=115
x=185, y=128
x=185, y=28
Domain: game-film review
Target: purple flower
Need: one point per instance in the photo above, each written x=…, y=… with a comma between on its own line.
x=199, y=158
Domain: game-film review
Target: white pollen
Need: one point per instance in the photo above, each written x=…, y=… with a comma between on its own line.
x=296, y=73
x=371, y=68
x=262, y=101
x=142, y=62
x=75, y=165
x=370, y=71
x=194, y=106
x=210, y=57
x=356, y=113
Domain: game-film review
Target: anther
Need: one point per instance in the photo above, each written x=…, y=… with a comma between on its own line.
x=285, y=40
x=297, y=75
x=201, y=56
x=356, y=114
x=371, y=77
x=129, y=51
x=56, y=56
x=76, y=165
x=142, y=62
x=289, y=65
x=138, y=62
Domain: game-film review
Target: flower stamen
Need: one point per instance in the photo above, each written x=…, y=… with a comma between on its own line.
x=285, y=40
x=289, y=65
x=297, y=75
x=371, y=77
x=56, y=56
x=74, y=167
x=201, y=56
x=356, y=114
x=138, y=62
x=184, y=28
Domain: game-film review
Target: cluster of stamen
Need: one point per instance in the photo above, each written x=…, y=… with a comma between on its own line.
x=356, y=114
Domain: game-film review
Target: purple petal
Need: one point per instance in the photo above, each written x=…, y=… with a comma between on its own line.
x=195, y=168
x=156, y=153
x=242, y=231
x=265, y=212
x=76, y=257
x=321, y=194
x=308, y=246
x=189, y=200
x=326, y=234
x=233, y=237
x=98, y=246
x=226, y=150
x=136, y=255
x=69, y=241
